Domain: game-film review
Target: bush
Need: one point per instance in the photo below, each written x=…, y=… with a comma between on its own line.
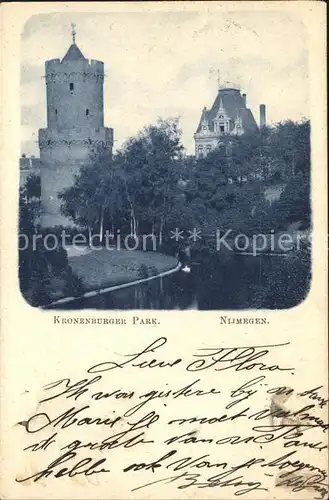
x=287, y=284
x=294, y=204
x=143, y=271
x=73, y=284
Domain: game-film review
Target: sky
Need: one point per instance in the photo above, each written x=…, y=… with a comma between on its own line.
x=167, y=64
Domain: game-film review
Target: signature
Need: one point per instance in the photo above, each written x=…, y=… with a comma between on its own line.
x=228, y=476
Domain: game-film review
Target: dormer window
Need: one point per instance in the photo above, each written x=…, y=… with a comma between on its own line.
x=71, y=88
x=221, y=117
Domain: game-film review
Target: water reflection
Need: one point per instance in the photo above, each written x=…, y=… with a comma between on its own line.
x=176, y=291
x=214, y=283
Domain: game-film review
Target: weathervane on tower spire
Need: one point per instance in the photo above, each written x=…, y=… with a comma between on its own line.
x=73, y=26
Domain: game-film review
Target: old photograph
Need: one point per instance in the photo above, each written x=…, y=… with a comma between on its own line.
x=164, y=251
x=165, y=161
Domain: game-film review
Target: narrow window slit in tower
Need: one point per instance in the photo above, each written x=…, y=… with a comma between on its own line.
x=87, y=112
x=56, y=112
x=71, y=88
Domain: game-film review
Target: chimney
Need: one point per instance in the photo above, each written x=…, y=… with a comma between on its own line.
x=262, y=115
x=244, y=97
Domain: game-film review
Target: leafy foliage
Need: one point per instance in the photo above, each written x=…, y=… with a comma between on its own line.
x=230, y=183
x=44, y=274
x=96, y=193
x=287, y=282
x=151, y=187
x=32, y=187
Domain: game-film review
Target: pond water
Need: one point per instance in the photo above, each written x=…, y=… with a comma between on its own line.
x=216, y=282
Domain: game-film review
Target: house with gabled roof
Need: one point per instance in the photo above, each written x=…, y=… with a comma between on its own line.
x=228, y=115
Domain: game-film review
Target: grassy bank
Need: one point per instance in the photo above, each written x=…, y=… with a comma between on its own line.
x=102, y=268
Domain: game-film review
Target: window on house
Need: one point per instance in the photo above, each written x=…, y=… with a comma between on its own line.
x=71, y=88
x=87, y=112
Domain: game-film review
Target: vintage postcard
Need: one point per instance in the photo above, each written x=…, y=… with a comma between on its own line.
x=164, y=251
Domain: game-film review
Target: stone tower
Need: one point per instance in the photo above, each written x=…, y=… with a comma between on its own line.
x=75, y=126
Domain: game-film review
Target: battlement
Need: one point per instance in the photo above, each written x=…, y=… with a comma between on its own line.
x=94, y=63
x=88, y=66
x=51, y=62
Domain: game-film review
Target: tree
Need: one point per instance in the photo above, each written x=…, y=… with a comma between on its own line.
x=238, y=160
x=32, y=187
x=44, y=274
x=149, y=165
x=77, y=203
x=303, y=146
x=286, y=283
x=95, y=193
x=31, y=192
x=209, y=174
x=294, y=204
x=290, y=147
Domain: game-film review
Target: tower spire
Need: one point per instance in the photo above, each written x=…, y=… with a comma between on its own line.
x=73, y=26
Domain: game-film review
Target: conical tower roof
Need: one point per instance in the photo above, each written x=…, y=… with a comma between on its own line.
x=73, y=54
